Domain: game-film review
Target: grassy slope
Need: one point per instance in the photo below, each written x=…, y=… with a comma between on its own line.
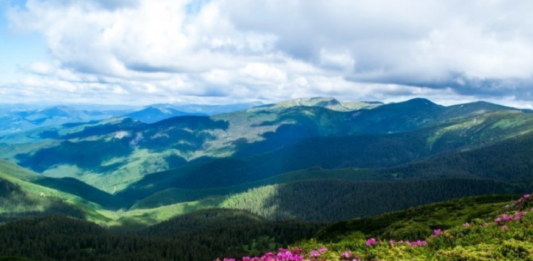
x=31, y=201
x=68, y=188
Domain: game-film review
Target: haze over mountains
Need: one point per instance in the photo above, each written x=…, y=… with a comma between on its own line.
x=311, y=160
x=21, y=117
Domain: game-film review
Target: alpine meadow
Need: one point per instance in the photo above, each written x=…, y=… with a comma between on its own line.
x=239, y=130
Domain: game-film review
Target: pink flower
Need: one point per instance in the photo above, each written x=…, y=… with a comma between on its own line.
x=466, y=224
x=506, y=217
x=498, y=220
x=322, y=250
x=314, y=253
x=370, y=241
x=485, y=225
x=517, y=218
x=392, y=242
x=346, y=254
x=526, y=196
x=437, y=232
x=505, y=228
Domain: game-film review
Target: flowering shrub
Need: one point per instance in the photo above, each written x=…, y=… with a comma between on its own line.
x=508, y=237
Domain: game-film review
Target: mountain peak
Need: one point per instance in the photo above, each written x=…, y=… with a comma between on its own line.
x=416, y=103
x=422, y=101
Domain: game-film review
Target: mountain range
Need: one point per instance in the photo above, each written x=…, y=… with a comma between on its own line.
x=310, y=161
x=19, y=118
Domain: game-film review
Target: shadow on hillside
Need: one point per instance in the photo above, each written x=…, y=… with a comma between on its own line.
x=334, y=200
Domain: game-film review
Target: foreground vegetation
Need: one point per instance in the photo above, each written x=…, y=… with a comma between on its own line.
x=503, y=235
x=206, y=234
x=197, y=236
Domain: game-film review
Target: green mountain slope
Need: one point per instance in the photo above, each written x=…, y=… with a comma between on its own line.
x=507, y=160
x=329, y=199
x=67, y=188
x=225, y=233
x=362, y=151
x=418, y=222
x=344, y=193
x=60, y=238
x=203, y=220
x=491, y=232
x=16, y=203
x=333, y=200
x=112, y=154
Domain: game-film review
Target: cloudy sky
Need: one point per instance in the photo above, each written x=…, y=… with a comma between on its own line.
x=226, y=51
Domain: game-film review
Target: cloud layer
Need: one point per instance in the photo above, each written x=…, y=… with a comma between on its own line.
x=220, y=51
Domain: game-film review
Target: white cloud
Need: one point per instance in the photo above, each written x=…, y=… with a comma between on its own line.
x=234, y=50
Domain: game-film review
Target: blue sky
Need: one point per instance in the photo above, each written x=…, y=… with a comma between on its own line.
x=227, y=51
x=17, y=50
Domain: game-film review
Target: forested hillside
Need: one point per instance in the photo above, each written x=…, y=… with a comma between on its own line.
x=247, y=182
x=113, y=154
x=483, y=229
x=61, y=238
x=206, y=235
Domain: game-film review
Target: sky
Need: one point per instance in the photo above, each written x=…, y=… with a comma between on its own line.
x=231, y=51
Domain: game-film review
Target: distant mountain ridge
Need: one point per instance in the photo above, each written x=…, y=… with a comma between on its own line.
x=14, y=121
x=324, y=102
x=21, y=118
x=123, y=151
x=157, y=113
